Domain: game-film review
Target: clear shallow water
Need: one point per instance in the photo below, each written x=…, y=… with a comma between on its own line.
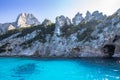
x=59, y=69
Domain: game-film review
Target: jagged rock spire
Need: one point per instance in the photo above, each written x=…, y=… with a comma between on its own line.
x=46, y=22
x=60, y=22
x=26, y=20
x=77, y=19
x=88, y=16
x=98, y=15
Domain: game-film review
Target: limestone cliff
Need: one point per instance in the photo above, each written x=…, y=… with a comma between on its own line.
x=95, y=35
x=23, y=20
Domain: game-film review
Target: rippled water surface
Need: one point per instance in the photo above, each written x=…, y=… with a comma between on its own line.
x=59, y=69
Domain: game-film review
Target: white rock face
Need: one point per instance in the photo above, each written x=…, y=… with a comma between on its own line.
x=4, y=27
x=61, y=21
x=98, y=16
x=46, y=22
x=11, y=27
x=88, y=16
x=77, y=19
x=23, y=20
x=26, y=20
x=68, y=21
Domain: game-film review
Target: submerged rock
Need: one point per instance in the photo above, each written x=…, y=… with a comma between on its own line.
x=25, y=69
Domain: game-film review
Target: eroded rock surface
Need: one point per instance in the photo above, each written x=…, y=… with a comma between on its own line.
x=95, y=35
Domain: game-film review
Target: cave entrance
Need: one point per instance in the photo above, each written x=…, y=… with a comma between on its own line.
x=109, y=49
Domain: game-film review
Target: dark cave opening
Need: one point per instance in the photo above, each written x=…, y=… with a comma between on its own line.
x=117, y=37
x=109, y=49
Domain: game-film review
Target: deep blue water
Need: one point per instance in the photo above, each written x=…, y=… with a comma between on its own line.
x=59, y=69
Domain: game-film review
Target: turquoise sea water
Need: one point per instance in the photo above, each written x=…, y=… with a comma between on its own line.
x=59, y=69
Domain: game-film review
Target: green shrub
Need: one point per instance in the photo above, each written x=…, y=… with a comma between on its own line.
x=86, y=35
x=41, y=36
x=2, y=48
x=8, y=34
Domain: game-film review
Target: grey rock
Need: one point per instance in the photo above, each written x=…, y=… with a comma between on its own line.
x=82, y=42
x=26, y=20
x=61, y=21
x=46, y=22
x=88, y=16
x=4, y=27
x=118, y=11
x=98, y=16
x=77, y=19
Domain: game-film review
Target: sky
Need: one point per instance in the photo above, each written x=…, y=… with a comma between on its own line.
x=50, y=9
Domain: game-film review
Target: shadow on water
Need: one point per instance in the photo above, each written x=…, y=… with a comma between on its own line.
x=24, y=70
x=100, y=62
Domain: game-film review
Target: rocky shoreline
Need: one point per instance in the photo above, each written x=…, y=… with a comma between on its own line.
x=95, y=35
